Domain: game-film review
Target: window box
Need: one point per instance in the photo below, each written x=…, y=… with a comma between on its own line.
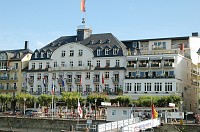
x=145, y=92
x=156, y=92
x=135, y=92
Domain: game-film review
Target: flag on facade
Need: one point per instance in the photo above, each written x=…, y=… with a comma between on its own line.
x=102, y=79
x=81, y=81
x=154, y=112
x=44, y=81
x=63, y=83
x=80, y=112
x=83, y=5
x=52, y=88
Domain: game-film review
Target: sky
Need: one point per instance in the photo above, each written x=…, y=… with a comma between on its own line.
x=43, y=21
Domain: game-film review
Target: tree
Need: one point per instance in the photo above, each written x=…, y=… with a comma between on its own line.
x=45, y=100
x=28, y=99
x=123, y=100
x=100, y=98
x=4, y=99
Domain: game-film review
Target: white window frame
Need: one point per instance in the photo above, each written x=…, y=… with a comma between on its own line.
x=106, y=51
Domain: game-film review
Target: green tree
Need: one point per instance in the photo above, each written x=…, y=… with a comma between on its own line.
x=123, y=100
x=4, y=99
x=100, y=98
x=45, y=100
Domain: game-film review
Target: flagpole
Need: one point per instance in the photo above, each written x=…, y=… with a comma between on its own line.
x=52, y=108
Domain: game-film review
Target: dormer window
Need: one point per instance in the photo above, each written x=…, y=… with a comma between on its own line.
x=98, y=52
x=108, y=41
x=115, y=51
x=106, y=51
x=48, y=54
x=17, y=55
x=42, y=55
x=91, y=42
x=36, y=55
x=100, y=41
x=135, y=44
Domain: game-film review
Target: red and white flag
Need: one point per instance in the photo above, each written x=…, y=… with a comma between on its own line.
x=83, y=5
x=102, y=79
x=80, y=112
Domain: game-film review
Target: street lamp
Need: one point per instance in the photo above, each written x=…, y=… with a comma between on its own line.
x=181, y=102
x=24, y=105
x=95, y=100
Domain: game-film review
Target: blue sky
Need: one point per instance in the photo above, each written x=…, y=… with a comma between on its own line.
x=42, y=21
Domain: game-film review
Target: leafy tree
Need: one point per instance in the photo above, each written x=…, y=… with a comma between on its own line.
x=100, y=98
x=71, y=99
x=123, y=100
x=45, y=100
x=4, y=99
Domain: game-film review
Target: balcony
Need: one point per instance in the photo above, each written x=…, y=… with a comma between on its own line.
x=168, y=65
x=4, y=78
x=131, y=65
x=77, y=80
x=30, y=80
x=195, y=83
x=96, y=80
x=71, y=68
x=155, y=65
x=69, y=81
x=150, y=77
x=115, y=80
x=143, y=65
x=8, y=89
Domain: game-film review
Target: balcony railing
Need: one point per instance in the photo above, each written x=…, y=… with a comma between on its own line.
x=168, y=64
x=155, y=65
x=115, y=80
x=96, y=80
x=8, y=88
x=149, y=77
x=143, y=65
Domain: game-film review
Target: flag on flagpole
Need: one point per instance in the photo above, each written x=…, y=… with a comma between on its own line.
x=52, y=88
x=81, y=81
x=44, y=81
x=63, y=83
x=102, y=79
x=154, y=112
x=80, y=112
x=83, y=5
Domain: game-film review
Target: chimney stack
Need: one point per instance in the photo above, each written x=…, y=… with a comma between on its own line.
x=26, y=45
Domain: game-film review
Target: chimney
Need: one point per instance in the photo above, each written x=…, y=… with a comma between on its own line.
x=195, y=34
x=26, y=45
x=83, y=32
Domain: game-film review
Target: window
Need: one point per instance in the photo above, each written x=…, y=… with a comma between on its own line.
x=42, y=55
x=80, y=52
x=62, y=64
x=33, y=65
x=137, y=87
x=71, y=63
x=113, y=113
x=40, y=65
x=128, y=86
x=115, y=51
x=106, y=75
x=135, y=45
x=55, y=64
x=88, y=89
x=107, y=63
x=124, y=112
x=117, y=62
x=97, y=88
x=80, y=63
x=158, y=87
x=168, y=86
x=16, y=65
x=47, y=64
x=71, y=53
x=98, y=63
x=106, y=86
x=54, y=75
x=36, y=55
x=39, y=76
x=98, y=52
x=106, y=51
x=88, y=75
x=63, y=53
x=89, y=63
x=48, y=54
x=159, y=45
x=147, y=86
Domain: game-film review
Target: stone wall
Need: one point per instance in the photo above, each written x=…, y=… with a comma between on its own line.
x=37, y=124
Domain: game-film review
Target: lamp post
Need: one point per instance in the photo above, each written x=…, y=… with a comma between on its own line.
x=181, y=102
x=95, y=100
x=24, y=105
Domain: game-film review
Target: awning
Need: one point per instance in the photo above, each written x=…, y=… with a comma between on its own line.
x=116, y=72
x=168, y=57
x=69, y=73
x=156, y=58
x=143, y=58
x=132, y=59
